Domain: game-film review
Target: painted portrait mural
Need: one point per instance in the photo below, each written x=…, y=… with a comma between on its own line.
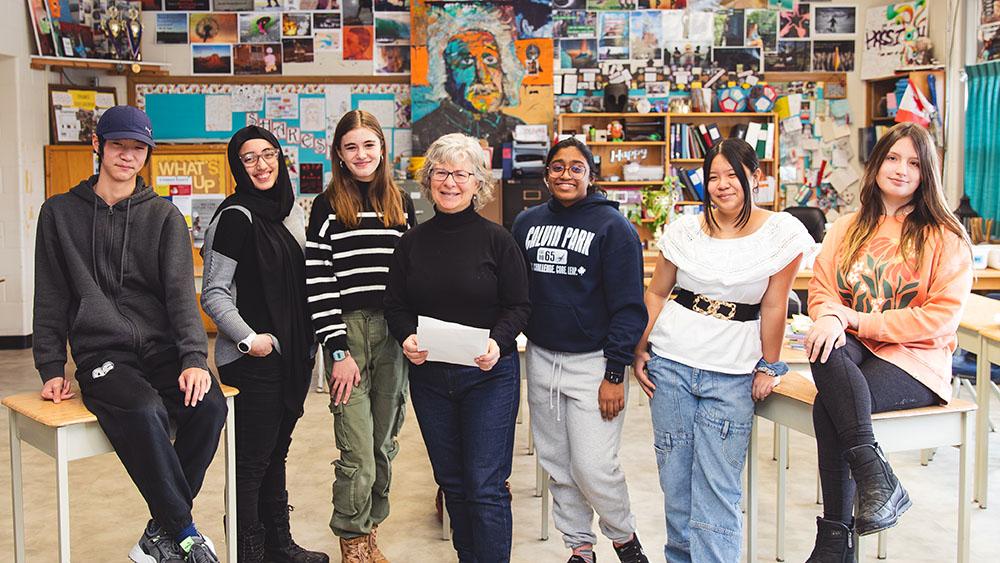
x=473, y=72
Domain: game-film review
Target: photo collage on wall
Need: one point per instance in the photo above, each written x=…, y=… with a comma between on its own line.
x=75, y=28
x=664, y=46
x=258, y=37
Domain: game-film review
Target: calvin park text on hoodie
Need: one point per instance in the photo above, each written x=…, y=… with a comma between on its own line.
x=556, y=241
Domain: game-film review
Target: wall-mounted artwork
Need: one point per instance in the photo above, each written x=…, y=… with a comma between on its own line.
x=891, y=33
x=466, y=74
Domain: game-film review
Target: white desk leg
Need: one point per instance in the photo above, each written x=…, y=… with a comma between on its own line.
x=230, y=445
x=774, y=442
x=16, y=487
x=819, y=486
x=62, y=487
x=539, y=478
x=782, y=488
x=545, y=505
x=751, y=517
x=982, y=425
x=320, y=370
x=964, y=474
x=445, y=521
x=883, y=544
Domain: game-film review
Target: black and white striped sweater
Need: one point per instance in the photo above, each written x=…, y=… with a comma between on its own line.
x=347, y=269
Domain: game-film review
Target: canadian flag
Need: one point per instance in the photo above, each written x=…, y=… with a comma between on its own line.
x=914, y=107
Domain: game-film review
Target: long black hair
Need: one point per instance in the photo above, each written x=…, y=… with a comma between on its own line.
x=739, y=154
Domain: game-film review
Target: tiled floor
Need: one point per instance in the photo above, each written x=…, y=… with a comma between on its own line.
x=107, y=514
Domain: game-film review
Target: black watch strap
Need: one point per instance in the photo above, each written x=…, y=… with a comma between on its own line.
x=613, y=375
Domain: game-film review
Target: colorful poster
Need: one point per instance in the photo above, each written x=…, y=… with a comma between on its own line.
x=257, y=58
x=794, y=23
x=212, y=28
x=466, y=75
x=891, y=35
x=171, y=28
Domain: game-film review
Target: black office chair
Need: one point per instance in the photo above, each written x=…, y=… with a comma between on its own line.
x=813, y=218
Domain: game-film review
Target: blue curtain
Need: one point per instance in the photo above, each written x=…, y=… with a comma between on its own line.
x=982, y=139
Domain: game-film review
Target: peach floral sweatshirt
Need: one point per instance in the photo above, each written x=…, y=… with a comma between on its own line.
x=907, y=316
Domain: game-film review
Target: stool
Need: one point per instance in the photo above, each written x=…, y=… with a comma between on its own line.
x=68, y=431
x=790, y=405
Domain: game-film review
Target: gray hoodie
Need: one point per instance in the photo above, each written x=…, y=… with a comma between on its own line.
x=116, y=278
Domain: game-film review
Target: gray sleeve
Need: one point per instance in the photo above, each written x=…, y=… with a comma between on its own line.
x=218, y=293
x=177, y=277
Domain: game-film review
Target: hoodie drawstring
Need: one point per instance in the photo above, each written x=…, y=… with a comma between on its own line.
x=121, y=277
x=555, y=385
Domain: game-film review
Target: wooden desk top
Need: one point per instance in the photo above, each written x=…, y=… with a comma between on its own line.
x=66, y=413
x=979, y=313
x=796, y=387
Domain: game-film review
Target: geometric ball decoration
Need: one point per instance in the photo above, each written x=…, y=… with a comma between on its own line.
x=762, y=97
x=733, y=99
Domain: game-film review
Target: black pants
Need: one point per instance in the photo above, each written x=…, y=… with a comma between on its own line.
x=853, y=384
x=135, y=402
x=263, y=433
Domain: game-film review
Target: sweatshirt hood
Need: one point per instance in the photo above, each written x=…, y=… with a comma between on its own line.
x=592, y=200
x=85, y=191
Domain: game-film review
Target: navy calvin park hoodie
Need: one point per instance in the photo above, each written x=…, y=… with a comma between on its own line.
x=116, y=278
x=585, y=278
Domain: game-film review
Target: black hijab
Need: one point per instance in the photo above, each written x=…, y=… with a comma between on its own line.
x=281, y=263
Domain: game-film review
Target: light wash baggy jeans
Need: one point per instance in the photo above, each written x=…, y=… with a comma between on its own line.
x=577, y=447
x=701, y=431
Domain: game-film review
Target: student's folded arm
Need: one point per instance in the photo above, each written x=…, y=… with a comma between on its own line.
x=824, y=299
x=322, y=284
x=939, y=314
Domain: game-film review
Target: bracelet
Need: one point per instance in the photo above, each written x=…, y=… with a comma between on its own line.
x=777, y=369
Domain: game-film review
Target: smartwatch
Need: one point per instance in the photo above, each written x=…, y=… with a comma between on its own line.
x=244, y=345
x=613, y=375
x=338, y=355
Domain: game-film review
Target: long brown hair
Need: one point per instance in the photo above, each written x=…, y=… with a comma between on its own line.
x=343, y=194
x=929, y=214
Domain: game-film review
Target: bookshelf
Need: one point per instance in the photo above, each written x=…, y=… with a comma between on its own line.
x=649, y=141
x=877, y=119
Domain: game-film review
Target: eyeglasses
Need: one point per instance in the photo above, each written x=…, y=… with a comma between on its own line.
x=251, y=158
x=460, y=176
x=577, y=171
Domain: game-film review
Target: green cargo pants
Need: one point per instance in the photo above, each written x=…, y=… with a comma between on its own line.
x=366, y=426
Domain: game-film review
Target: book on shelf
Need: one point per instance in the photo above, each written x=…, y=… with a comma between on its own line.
x=696, y=177
x=688, y=192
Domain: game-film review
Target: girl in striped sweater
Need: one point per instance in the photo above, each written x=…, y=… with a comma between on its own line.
x=353, y=229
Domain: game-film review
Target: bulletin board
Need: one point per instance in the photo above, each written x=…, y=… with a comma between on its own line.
x=74, y=111
x=302, y=112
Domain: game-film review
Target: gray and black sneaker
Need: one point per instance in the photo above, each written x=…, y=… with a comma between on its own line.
x=156, y=546
x=199, y=549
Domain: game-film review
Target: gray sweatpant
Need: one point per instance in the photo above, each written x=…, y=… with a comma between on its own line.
x=576, y=446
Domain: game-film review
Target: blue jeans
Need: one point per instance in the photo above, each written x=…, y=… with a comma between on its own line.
x=467, y=417
x=701, y=431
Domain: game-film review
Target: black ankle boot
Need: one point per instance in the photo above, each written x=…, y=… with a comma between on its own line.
x=250, y=544
x=834, y=543
x=631, y=552
x=883, y=499
x=279, y=546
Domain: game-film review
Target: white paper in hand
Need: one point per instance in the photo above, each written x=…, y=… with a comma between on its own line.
x=452, y=343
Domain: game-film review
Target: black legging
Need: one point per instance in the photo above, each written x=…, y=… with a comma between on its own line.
x=853, y=384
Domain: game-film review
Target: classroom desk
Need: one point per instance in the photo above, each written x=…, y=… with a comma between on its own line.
x=977, y=319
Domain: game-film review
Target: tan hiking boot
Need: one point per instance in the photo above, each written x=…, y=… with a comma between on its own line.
x=377, y=555
x=356, y=550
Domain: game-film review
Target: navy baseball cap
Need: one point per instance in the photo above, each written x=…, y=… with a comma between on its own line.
x=126, y=122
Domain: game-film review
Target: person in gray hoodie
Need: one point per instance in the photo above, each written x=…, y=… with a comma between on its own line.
x=114, y=276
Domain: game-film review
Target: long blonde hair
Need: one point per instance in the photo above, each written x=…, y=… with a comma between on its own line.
x=929, y=214
x=343, y=193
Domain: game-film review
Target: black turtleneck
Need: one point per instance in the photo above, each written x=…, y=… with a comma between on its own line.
x=462, y=268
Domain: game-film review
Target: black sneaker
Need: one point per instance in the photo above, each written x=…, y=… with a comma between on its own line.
x=199, y=550
x=156, y=546
x=578, y=559
x=631, y=552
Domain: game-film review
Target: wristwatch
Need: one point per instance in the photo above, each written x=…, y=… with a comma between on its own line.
x=338, y=355
x=613, y=375
x=244, y=345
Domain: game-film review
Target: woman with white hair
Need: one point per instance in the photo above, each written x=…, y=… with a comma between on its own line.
x=462, y=268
